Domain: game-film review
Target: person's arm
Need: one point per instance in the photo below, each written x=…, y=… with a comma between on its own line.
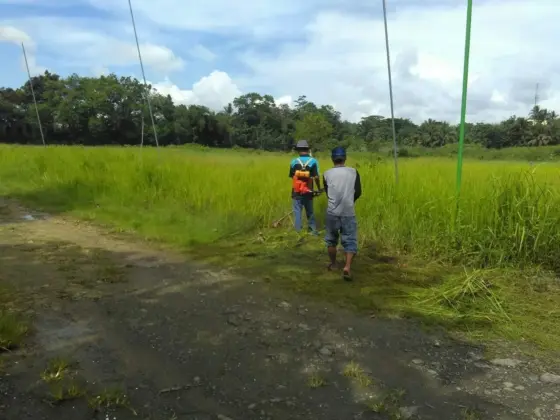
x=292, y=171
x=325, y=186
x=315, y=174
x=357, y=186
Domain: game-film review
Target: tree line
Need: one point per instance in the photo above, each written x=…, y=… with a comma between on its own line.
x=111, y=110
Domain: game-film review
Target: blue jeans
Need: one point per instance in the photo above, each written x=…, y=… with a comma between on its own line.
x=300, y=203
x=344, y=228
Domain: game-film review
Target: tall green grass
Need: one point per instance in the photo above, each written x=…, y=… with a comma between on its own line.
x=509, y=212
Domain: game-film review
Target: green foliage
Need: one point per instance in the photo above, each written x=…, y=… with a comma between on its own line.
x=12, y=330
x=508, y=210
x=112, y=110
x=314, y=128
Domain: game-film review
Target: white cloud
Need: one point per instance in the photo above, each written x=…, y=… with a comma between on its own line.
x=497, y=97
x=284, y=100
x=332, y=51
x=99, y=71
x=156, y=56
x=202, y=53
x=34, y=68
x=16, y=36
x=261, y=17
x=88, y=44
x=43, y=3
x=510, y=52
x=88, y=48
x=214, y=91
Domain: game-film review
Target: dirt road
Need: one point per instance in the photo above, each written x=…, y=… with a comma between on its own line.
x=182, y=341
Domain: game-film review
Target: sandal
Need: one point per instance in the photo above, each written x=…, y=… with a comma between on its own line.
x=346, y=275
x=332, y=266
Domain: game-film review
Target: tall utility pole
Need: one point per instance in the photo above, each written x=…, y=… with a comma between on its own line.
x=142, y=135
x=395, y=151
x=143, y=74
x=537, y=95
x=33, y=94
x=464, y=98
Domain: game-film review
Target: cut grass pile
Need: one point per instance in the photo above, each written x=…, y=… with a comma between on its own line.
x=216, y=203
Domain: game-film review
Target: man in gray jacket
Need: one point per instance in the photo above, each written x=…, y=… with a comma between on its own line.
x=343, y=187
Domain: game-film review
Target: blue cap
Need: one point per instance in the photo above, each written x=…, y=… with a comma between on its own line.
x=338, y=152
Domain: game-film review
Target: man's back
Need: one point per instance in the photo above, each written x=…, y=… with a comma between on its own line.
x=342, y=185
x=309, y=161
x=304, y=162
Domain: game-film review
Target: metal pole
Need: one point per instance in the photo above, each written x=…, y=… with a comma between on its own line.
x=395, y=151
x=143, y=74
x=33, y=94
x=537, y=95
x=464, y=97
x=142, y=138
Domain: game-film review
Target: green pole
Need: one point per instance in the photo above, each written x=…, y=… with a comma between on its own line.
x=464, y=99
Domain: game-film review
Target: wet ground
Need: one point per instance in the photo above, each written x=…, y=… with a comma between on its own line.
x=123, y=330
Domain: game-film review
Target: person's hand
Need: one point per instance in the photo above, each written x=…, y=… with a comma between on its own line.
x=319, y=191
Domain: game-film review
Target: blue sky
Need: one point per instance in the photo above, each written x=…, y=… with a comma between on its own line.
x=333, y=51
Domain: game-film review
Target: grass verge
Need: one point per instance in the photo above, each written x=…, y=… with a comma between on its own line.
x=508, y=210
x=485, y=305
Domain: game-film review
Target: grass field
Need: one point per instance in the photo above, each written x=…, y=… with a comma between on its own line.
x=414, y=248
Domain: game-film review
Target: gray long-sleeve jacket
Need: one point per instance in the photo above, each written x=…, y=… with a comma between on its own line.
x=343, y=187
